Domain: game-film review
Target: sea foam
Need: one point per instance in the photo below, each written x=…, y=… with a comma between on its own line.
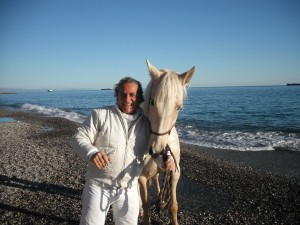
x=55, y=112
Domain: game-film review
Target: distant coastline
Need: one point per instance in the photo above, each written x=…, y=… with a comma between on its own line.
x=20, y=90
x=293, y=84
x=7, y=93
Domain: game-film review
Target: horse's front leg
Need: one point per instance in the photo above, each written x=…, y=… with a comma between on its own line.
x=143, y=183
x=156, y=182
x=174, y=203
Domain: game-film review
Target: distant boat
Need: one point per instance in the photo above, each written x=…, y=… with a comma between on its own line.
x=104, y=89
x=293, y=84
x=50, y=90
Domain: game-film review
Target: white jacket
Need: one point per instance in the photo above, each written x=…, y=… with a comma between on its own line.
x=106, y=129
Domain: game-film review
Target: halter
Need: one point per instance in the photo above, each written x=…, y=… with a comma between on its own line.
x=161, y=134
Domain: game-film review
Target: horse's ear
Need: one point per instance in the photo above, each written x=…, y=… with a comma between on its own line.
x=187, y=76
x=153, y=71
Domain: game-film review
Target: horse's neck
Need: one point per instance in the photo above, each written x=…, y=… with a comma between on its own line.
x=173, y=139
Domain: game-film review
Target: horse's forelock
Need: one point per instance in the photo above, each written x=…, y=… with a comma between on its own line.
x=168, y=85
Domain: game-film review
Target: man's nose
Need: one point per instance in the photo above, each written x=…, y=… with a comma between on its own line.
x=127, y=98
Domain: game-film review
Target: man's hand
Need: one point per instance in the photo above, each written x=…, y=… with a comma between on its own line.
x=100, y=159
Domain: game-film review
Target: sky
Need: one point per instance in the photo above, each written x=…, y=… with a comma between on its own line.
x=92, y=44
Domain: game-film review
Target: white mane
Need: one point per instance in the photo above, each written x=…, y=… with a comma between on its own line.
x=169, y=85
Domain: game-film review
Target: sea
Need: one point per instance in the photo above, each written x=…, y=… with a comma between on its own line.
x=259, y=118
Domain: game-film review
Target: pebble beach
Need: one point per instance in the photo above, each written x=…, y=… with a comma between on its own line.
x=41, y=179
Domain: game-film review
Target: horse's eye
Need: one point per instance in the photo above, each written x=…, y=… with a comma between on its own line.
x=151, y=101
x=179, y=108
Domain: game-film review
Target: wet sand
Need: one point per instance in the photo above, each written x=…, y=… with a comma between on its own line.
x=41, y=179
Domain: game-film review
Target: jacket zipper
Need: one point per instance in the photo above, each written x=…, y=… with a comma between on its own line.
x=127, y=137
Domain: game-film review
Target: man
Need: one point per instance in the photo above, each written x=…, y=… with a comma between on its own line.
x=113, y=141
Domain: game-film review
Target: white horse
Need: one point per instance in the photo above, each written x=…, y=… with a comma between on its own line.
x=163, y=99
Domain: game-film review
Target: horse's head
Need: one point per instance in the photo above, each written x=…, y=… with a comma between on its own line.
x=163, y=100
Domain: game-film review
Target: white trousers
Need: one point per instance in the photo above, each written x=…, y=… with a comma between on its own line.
x=97, y=200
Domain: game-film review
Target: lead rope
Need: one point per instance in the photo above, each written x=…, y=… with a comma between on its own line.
x=165, y=193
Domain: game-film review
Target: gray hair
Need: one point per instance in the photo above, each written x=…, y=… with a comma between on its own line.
x=124, y=80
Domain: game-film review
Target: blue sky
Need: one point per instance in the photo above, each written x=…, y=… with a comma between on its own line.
x=92, y=44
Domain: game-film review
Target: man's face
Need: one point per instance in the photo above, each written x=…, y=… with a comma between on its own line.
x=127, y=98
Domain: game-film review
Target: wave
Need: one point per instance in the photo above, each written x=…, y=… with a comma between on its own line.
x=55, y=112
x=239, y=141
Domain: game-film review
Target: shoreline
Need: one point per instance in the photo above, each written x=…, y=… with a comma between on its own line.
x=281, y=162
x=41, y=179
